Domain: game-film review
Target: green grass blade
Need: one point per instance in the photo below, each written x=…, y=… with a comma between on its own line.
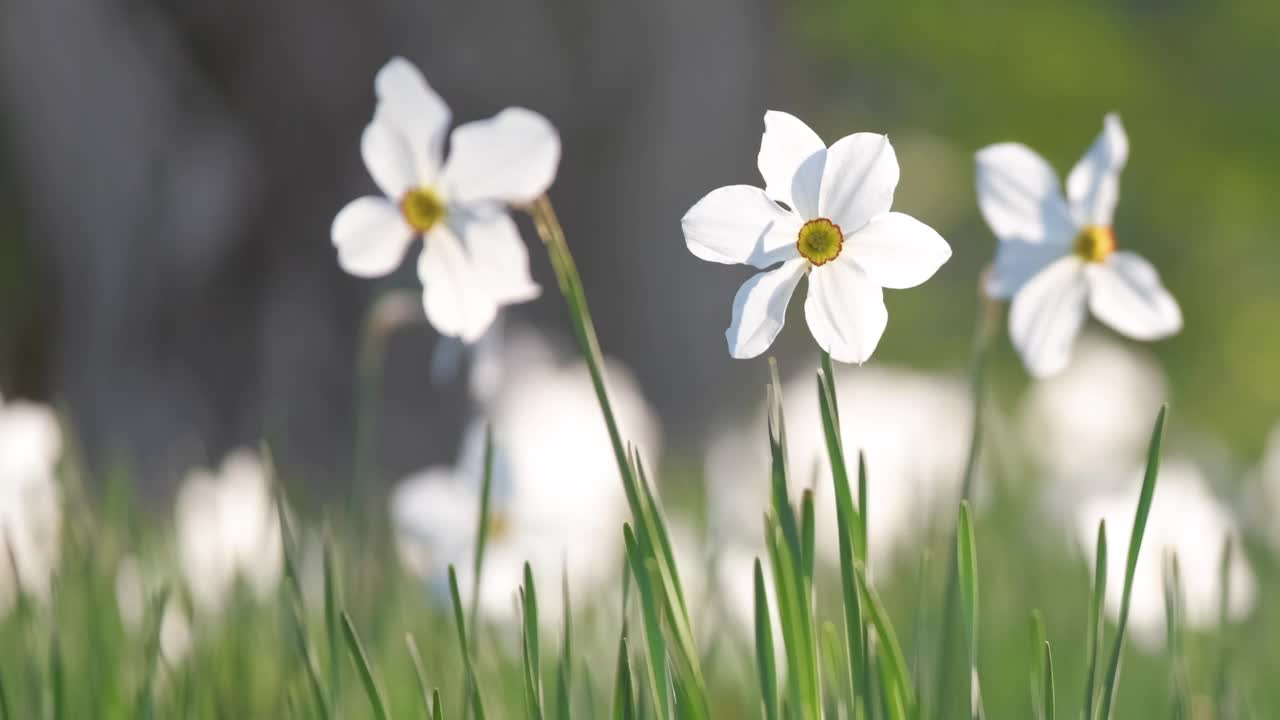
x=1135, y=546
x=624, y=700
x=1035, y=662
x=766, y=666
x=808, y=536
x=437, y=705
x=656, y=657
x=893, y=664
x=1173, y=610
x=1093, y=640
x=1223, y=701
x=471, y=692
x=967, y=572
x=419, y=673
x=57, y=678
x=564, y=681
x=531, y=647
x=332, y=602
x=363, y=668
x=1050, y=701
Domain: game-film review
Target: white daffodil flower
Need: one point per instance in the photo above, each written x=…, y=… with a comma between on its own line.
x=824, y=213
x=1058, y=256
x=30, y=504
x=1185, y=520
x=557, y=501
x=473, y=260
x=228, y=529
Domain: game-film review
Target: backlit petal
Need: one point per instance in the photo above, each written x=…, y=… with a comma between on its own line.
x=1094, y=183
x=845, y=310
x=511, y=157
x=791, y=161
x=897, y=251
x=1047, y=314
x=420, y=114
x=760, y=308
x=371, y=236
x=1125, y=292
x=739, y=224
x=858, y=180
x=455, y=300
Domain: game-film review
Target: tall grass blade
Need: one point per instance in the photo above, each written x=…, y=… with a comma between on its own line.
x=531, y=647
x=644, y=512
x=656, y=658
x=437, y=705
x=766, y=667
x=471, y=688
x=482, y=526
x=1050, y=701
x=1093, y=640
x=967, y=568
x=1223, y=700
x=1173, y=610
x=895, y=675
x=1135, y=546
x=1036, y=664
x=624, y=700
x=419, y=673
x=332, y=603
x=363, y=668
x=564, y=681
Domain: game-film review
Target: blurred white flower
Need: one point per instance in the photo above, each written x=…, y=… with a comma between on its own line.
x=1092, y=422
x=228, y=530
x=1058, y=256
x=1185, y=519
x=735, y=582
x=557, y=499
x=30, y=502
x=1265, y=490
x=885, y=412
x=134, y=590
x=824, y=213
x=473, y=260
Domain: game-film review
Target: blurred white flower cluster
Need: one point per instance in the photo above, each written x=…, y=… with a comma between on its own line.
x=30, y=501
x=885, y=412
x=557, y=501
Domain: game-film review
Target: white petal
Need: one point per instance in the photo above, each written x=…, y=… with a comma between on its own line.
x=846, y=312
x=858, y=180
x=388, y=157
x=511, y=157
x=739, y=224
x=371, y=236
x=897, y=251
x=1125, y=292
x=1047, y=314
x=1094, y=183
x=791, y=160
x=498, y=257
x=417, y=111
x=760, y=308
x=453, y=296
x=1017, y=262
x=1020, y=196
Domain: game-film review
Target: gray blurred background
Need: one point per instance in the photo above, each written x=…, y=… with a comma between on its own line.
x=169, y=171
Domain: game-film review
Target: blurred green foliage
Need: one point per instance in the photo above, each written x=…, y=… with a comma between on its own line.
x=1195, y=85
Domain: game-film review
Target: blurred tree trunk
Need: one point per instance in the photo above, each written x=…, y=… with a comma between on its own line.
x=179, y=164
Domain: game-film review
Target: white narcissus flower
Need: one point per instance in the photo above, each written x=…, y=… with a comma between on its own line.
x=473, y=260
x=1057, y=257
x=30, y=503
x=824, y=213
x=557, y=501
x=228, y=529
x=1186, y=520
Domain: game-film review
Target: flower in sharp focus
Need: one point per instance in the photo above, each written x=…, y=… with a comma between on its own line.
x=228, y=530
x=30, y=504
x=1057, y=256
x=824, y=213
x=1184, y=519
x=557, y=501
x=473, y=260
x=885, y=412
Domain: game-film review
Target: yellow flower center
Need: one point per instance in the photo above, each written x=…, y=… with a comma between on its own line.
x=820, y=241
x=422, y=208
x=1095, y=243
x=498, y=526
